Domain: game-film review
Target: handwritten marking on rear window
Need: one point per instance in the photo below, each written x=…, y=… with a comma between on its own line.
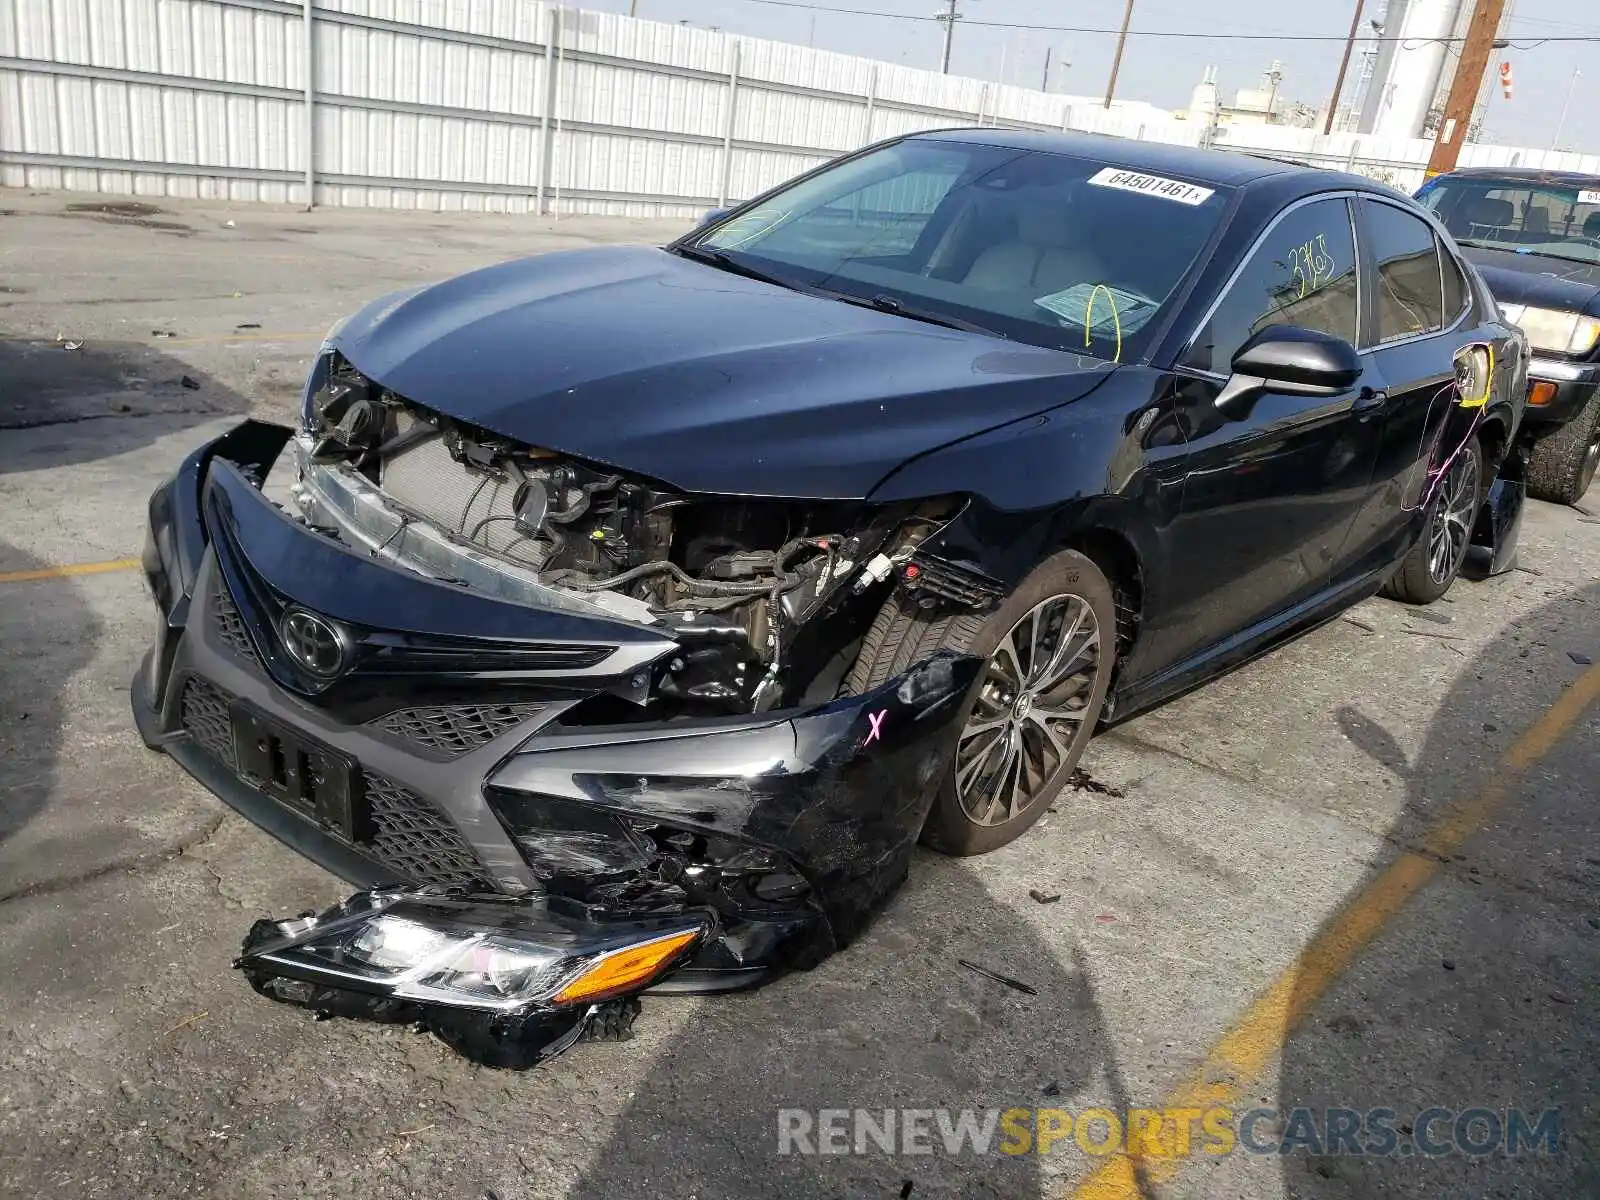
x=1152, y=185
x=1311, y=264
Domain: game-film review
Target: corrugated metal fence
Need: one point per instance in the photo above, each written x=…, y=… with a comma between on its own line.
x=508, y=105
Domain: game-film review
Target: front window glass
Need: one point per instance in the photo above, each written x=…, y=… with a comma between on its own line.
x=1559, y=220
x=1043, y=248
x=1303, y=273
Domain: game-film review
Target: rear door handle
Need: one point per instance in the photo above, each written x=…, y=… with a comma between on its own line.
x=1368, y=399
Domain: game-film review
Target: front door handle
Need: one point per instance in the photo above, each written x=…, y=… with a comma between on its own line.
x=1368, y=399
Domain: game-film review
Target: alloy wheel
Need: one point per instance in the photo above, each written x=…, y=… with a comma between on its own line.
x=1031, y=710
x=1454, y=510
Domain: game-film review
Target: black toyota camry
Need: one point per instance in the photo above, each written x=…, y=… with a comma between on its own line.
x=636, y=610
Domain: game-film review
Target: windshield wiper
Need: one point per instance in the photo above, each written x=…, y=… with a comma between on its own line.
x=889, y=304
x=724, y=261
x=1542, y=250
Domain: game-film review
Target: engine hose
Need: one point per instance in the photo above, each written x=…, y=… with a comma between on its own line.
x=585, y=498
x=415, y=436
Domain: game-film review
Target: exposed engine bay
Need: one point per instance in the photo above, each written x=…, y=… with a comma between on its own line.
x=739, y=582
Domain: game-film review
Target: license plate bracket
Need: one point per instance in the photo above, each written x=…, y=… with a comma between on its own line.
x=313, y=779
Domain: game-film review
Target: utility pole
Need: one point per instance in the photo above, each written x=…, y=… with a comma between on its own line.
x=1116, y=61
x=949, y=17
x=1044, y=83
x=1464, y=88
x=633, y=8
x=1344, y=65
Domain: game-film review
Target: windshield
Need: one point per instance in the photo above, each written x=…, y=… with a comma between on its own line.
x=1042, y=248
x=1520, y=215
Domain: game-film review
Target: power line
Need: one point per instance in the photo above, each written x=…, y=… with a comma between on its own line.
x=1187, y=34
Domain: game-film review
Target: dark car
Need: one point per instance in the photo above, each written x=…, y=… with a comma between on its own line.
x=691, y=586
x=1535, y=238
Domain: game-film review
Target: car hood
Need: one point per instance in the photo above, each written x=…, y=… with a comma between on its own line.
x=708, y=381
x=1538, y=279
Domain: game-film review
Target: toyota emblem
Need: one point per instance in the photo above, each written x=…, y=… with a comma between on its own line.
x=314, y=644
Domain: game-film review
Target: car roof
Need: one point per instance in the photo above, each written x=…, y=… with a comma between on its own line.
x=1224, y=168
x=1524, y=175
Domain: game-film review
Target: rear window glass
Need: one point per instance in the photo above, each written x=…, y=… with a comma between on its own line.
x=1410, y=298
x=1455, y=286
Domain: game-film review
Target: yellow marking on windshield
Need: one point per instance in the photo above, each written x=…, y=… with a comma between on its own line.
x=1088, y=317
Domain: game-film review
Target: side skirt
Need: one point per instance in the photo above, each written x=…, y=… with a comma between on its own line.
x=1235, y=651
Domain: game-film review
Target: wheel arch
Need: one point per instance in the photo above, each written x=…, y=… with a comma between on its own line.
x=1110, y=549
x=1494, y=435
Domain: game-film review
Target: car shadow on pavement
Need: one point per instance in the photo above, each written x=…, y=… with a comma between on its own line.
x=44, y=641
x=893, y=1022
x=1481, y=991
x=124, y=394
x=69, y=408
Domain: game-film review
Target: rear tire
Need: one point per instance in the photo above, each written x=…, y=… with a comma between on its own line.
x=1427, y=572
x=1031, y=715
x=1564, y=464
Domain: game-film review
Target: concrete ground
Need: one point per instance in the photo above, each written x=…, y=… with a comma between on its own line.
x=1362, y=872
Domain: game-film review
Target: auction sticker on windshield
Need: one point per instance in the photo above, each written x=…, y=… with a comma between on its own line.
x=1589, y=196
x=1152, y=185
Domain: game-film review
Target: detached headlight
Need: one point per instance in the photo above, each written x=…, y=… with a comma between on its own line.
x=510, y=957
x=1554, y=329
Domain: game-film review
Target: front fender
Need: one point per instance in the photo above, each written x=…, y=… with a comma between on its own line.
x=1114, y=463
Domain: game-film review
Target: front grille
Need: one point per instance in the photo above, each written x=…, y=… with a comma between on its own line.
x=203, y=709
x=450, y=730
x=414, y=838
x=230, y=625
x=408, y=834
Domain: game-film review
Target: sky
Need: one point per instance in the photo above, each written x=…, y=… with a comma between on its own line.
x=1165, y=70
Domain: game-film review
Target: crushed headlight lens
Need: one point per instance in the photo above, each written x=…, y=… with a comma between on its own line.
x=505, y=956
x=1554, y=329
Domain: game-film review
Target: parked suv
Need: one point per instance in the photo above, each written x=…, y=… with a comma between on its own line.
x=1535, y=238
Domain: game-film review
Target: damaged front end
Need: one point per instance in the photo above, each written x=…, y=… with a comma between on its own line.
x=542, y=711
x=762, y=597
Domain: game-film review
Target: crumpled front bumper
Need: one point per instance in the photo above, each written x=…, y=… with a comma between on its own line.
x=448, y=753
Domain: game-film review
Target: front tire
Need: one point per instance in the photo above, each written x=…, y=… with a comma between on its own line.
x=1048, y=653
x=1427, y=572
x=1564, y=464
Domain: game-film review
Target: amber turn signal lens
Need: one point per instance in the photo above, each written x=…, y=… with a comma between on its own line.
x=1541, y=393
x=626, y=968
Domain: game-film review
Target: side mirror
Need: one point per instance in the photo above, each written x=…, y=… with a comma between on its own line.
x=1290, y=361
x=712, y=215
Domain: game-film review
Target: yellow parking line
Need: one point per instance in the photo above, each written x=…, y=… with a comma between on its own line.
x=67, y=572
x=1241, y=1056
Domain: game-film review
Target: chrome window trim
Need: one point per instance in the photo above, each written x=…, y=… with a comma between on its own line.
x=1345, y=194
